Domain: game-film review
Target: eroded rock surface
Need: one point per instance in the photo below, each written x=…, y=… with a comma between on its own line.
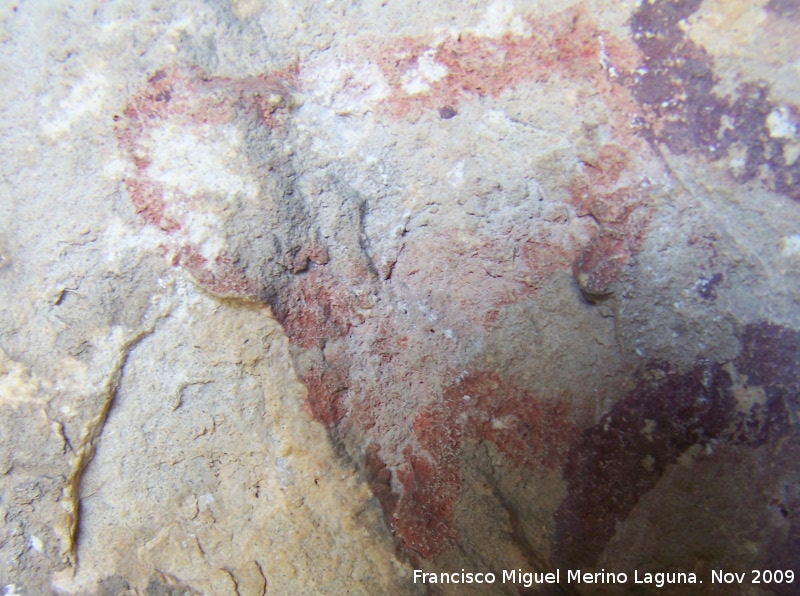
x=534, y=265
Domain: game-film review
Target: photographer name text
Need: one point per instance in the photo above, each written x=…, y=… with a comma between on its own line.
x=577, y=576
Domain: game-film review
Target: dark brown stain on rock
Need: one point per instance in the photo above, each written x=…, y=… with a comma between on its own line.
x=707, y=287
x=770, y=359
x=675, y=80
x=615, y=462
x=675, y=86
x=785, y=8
x=655, y=26
x=447, y=112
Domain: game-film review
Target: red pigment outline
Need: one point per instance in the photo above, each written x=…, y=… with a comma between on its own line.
x=536, y=436
x=317, y=307
x=482, y=67
x=196, y=99
x=422, y=513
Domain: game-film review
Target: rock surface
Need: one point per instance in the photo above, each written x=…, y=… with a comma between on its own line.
x=297, y=299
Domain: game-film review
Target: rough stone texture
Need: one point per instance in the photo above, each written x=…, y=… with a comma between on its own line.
x=295, y=299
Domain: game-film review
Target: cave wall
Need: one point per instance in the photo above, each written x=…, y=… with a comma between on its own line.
x=299, y=298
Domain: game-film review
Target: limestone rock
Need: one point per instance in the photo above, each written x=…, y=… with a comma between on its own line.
x=295, y=300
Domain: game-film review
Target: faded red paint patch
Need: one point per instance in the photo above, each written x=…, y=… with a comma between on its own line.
x=472, y=277
x=315, y=307
x=148, y=199
x=484, y=407
x=622, y=213
x=220, y=276
x=326, y=389
x=533, y=433
x=540, y=257
x=423, y=518
x=379, y=478
x=566, y=44
x=194, y=97
x=569, y=46
x=602, y=261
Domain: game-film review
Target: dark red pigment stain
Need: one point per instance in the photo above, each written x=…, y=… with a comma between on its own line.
x=531, y=432
x=675, y=84
x=221, y=275
x=424, y=516
x=326, y=388
x=770, y=359
x=379, y=478
x=315, y=307
x=615, y=462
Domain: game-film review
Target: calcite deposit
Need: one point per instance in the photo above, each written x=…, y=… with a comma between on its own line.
x=302, y=299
